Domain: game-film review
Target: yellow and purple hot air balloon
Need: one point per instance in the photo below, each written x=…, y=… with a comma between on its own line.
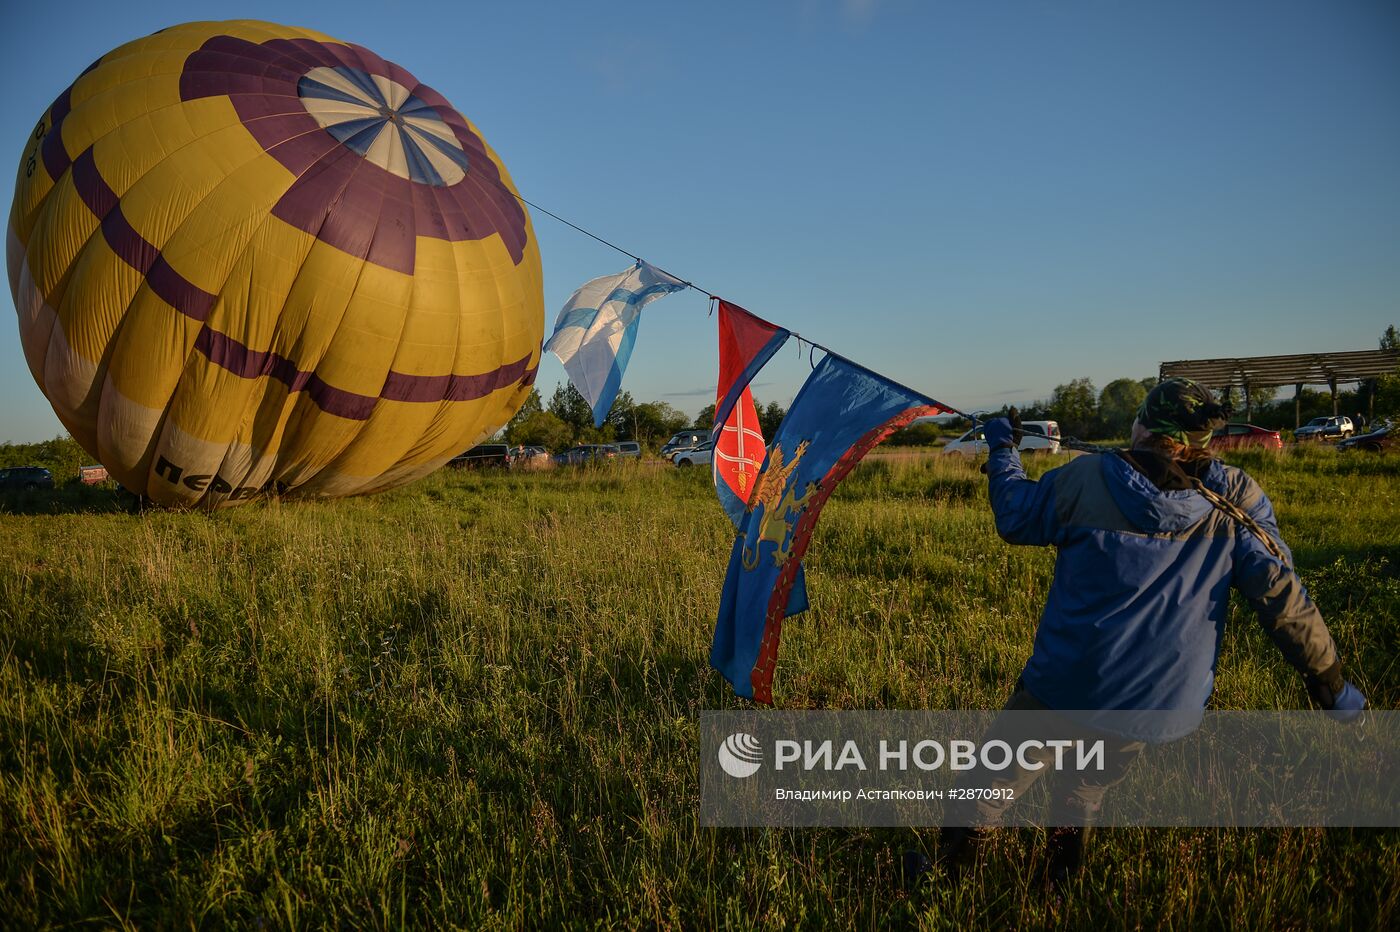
x=247, y=257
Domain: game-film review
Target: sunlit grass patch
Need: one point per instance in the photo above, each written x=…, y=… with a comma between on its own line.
x=472, y=703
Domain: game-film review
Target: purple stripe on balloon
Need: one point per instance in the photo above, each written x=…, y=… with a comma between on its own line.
x=52, y=150
x=62, y=106
x=91, y=186
x=179, y=292
x=229, y=354
x=402, y=387
x=131, y=247
x=56, y=159
x=106, y=206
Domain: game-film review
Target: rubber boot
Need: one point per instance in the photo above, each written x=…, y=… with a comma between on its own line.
x=957, y=846
x=1064, y=855
x=914, y=866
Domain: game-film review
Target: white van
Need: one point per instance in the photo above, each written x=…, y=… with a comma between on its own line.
x=1039, y=437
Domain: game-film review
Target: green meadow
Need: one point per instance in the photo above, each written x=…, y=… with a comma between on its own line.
x=473, y=703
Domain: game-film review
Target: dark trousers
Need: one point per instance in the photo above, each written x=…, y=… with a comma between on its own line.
x=1076, y=798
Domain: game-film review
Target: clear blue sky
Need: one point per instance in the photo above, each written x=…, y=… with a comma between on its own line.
x=981, y=200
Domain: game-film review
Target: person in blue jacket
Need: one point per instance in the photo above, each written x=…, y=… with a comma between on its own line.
x=1150, y=542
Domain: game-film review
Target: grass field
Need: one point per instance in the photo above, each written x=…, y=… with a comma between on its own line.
x=473, y=702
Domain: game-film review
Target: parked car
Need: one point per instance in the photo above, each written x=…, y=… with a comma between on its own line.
x=697, y=456
x=630, y=448
x=1384, y=437
x=486, y=454
x=25, y=478
x=1037, y=437
x=687, y=439
x=586, y=454
x=523, y=457
x=1325, y=428
x=1240, y=436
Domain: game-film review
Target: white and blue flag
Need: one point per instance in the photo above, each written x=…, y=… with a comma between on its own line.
x=595, y=331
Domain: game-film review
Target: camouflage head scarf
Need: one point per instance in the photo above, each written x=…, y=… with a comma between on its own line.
x=1183, y=410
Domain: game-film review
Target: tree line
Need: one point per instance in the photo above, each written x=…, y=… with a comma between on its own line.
x=568, y=420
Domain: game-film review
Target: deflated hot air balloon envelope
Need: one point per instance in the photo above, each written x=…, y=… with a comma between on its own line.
x=250, y=257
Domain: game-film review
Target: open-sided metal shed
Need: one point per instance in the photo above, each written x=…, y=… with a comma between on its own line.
x=1244, y=373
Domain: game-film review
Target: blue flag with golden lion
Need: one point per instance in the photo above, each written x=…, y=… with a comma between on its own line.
x=841, y=412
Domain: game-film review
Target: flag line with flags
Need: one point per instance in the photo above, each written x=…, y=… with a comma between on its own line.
x=842, y=411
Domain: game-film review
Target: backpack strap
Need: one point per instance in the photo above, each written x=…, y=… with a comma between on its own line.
x=1240, y=516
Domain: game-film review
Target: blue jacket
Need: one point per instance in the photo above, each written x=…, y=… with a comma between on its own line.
x=1137, y=608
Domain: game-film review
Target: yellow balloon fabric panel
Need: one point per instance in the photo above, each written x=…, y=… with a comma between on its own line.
x=247, y=257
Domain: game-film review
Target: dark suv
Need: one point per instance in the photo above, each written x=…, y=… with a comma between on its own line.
x=27, y=478
x=487, y=454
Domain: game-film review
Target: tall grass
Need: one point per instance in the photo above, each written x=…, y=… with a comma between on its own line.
x=473, y=702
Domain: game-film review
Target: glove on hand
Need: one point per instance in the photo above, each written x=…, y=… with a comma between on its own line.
x=1002, y=433
x=1348, y=704
x=1343, y=701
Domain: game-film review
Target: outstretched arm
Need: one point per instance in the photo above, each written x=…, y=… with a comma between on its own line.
x=1287, y=612
x=1024, y=509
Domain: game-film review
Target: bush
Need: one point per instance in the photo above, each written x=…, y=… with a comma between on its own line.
x=916, y=435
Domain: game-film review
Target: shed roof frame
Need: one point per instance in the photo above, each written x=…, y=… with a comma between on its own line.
x=1251, y=372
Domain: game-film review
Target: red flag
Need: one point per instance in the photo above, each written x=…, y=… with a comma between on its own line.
x=745, y=343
